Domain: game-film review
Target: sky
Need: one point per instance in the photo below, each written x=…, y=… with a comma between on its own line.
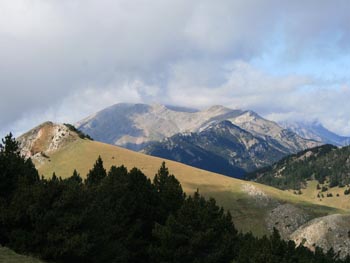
x=62, y=60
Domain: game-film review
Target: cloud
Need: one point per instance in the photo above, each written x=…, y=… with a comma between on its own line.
x=64, y=59
x=287, y=97
x=80, y=104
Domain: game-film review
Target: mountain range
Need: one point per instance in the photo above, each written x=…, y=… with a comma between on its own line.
x=315, y=131
x=217, y=139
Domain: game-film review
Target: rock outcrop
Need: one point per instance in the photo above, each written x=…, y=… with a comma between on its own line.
x=44, y=139
x=332, y=231
x=286, y=218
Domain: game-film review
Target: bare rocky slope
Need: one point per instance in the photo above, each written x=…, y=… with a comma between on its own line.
x=332, y=231
x=45, y=139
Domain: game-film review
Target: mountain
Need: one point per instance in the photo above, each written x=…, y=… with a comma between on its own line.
x=222, y=147
x=272, y=132
x=251, y=204
x=134, y=125
x=246, y=142
x=316, y=131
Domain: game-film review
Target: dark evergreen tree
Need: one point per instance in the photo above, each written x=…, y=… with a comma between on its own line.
x=76, y=178
x=96, y=174
x=200, y=231
x=9, y=146
x=125, y=207
x=169, y=192
x=14, y=169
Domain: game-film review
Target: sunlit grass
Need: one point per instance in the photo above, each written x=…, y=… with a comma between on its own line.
x=248, y=215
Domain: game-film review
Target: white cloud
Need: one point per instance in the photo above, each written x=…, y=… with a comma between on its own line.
x=278, y=98
x=241, y=86
x=82, y=103
x=67, y=58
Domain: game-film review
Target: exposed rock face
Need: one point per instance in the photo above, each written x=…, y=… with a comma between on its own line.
x=325, y=232
x=44, y=139
x=286, y=218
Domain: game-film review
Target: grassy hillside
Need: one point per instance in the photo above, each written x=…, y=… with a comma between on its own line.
x=333, y=197
x=248, y=202
x=8, y=256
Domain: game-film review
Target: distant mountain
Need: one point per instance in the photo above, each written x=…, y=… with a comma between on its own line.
x=218, y=139
x=222, y=147
x=316, y=131
x=135, y=125
x=288, y=141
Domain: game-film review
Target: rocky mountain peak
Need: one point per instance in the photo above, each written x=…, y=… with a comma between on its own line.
x=44, y=139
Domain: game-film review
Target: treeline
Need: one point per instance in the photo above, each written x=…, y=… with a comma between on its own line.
x=122, y=216
x=323, y=163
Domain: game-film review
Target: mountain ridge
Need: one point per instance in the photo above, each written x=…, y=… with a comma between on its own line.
x=223, y=147
x=143, y=123
x=142, y=127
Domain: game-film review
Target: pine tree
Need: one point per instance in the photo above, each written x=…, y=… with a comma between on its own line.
x=200, y=231
x=75, y=177
x=9, y=145
x=96, y=174
x=15, y=170
x=169, y=190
